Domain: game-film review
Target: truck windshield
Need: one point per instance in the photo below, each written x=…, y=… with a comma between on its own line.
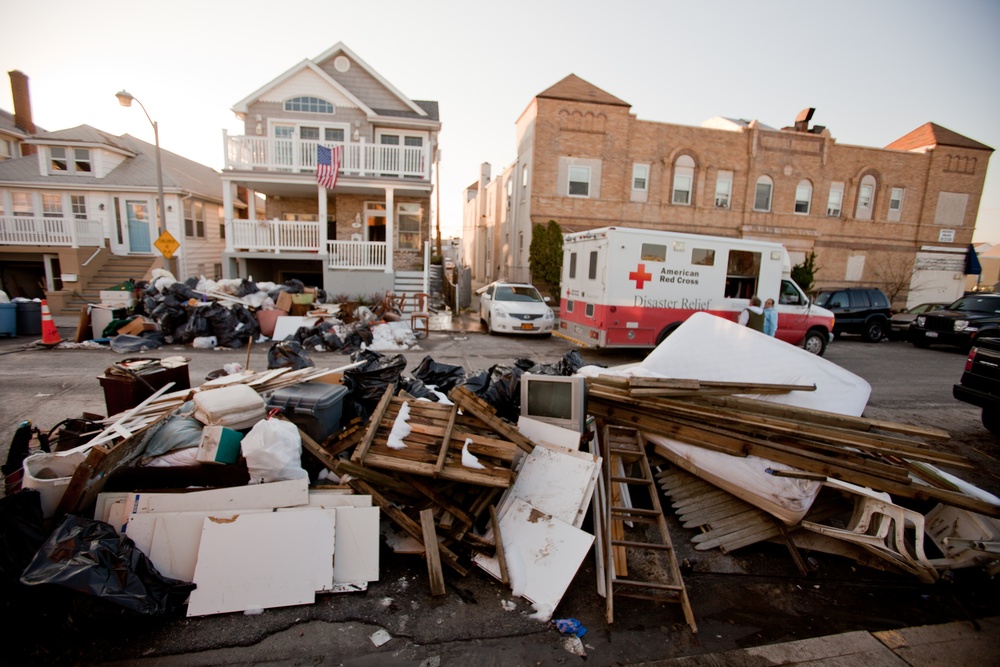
x=517, y=294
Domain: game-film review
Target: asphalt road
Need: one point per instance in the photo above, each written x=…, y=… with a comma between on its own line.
x=755, y=596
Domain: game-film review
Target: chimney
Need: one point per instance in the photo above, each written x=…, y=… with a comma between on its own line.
x=22, y=107
x=802, y=120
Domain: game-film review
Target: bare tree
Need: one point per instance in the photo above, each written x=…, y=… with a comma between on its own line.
x=893, y=272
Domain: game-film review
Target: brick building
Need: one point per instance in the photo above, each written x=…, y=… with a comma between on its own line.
x=900, y=217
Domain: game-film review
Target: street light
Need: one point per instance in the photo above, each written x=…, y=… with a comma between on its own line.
x=125, y=99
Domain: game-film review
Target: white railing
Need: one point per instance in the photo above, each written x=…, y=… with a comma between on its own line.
x=72, y=232
x=357, y=255
x=275, y=235
x=246, y=153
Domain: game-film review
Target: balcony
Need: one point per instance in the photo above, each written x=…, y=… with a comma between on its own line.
x=46, y=231
x=362, y=159
x=278, y=236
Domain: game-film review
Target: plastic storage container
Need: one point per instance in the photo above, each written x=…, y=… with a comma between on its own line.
x=8, y=319
x=29, y=318
x=316, y=408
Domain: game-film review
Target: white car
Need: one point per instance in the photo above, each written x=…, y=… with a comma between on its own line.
x=515, y=308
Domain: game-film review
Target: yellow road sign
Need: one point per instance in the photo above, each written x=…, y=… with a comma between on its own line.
x=167, y=244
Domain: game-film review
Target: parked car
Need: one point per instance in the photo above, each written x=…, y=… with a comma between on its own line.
x=980, y=384
x=858, y=310
x=515, y=308
x=899, y=324
x=960, y=324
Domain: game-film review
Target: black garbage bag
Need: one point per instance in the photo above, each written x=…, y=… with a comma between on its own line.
x=195, y=326
x=246, y=287
x=295, y=286
x=125, y=343
x=183, y=292
x=417, y=389
x=288, y=354
x=314, y=342
x=524, y=363
x=477, y=383
x=223, y=325
x=504, y=392
x=91, y=557
x=367, y=382
x=23, y=530
x=356, y=335
x=247, y=326
x=442, y=376
x=332, y=341
x=568, y=365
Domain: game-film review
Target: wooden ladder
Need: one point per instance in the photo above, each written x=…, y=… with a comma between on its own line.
x=623, y=449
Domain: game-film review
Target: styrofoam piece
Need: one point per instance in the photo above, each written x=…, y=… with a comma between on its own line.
x=540, y=550
x=746, y=477
x=237, y=407
x=539, y=431
x=103, y=503
x=356, y=555
x=287, y=493
x=711, y=348
x=261, y=561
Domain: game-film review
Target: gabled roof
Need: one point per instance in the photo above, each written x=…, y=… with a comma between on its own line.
x=81, y=134
x=243, y=105
x=575, y=89
x=8, y=126
x=340, y=47
x=932, y=134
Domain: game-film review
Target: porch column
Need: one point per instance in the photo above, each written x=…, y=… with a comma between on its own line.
x=390, y=228
x=321, y=193
x=227, y=206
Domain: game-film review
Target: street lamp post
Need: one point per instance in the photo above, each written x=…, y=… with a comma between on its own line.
x=126, y=99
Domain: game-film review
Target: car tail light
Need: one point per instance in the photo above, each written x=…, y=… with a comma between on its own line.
x=972, y=357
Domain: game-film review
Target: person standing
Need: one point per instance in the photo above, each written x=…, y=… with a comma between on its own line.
x=753, y=315
x=770, y=318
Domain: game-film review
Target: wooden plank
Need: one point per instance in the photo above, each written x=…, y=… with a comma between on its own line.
x=499, y=477
x=380, y=409
x=471, y=403
x=498, y=541
x=431, y=553
x=446, y=440
x=434, y=494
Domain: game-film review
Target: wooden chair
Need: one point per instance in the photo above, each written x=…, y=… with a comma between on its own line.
x=420, y=318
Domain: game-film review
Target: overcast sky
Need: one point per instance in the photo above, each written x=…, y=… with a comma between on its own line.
x=874, y=71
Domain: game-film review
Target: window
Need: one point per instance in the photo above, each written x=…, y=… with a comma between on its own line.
x=741, y=274
x=194, y=218
x=762, y=195
x=82, y=163
x=723, y=189
x=5, y=151
x=21, y=204
x=896, y=204
x=866, y=198
x=579, y=181
x=703, y=257
x=408, y=226
x=524, y=176
x=835, y=200
x=803, y=197
x=593, y=265
x=589, y=310
x=59, y=160
x=52, y=206
x=79, y=204
x=308, y=105
x=653, y=252
x=640, y=176
x=683, y=180
x=572, y=265
x=335, y=134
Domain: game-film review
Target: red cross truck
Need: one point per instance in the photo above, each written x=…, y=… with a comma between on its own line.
x=632, y=287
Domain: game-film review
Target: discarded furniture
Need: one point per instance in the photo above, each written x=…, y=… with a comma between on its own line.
x=420, y=317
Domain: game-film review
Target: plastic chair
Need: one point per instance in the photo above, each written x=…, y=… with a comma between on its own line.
x=420, y=318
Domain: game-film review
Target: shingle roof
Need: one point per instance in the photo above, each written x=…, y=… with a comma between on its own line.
x=932, y=134
x=575, y=89
x=430, y=107
x=81, y=133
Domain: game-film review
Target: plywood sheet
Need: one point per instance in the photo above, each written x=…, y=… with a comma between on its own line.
x=261, y=496
x=355, y=558
x=556, y=481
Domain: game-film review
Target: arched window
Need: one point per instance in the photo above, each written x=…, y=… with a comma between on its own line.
x=683, y=180
x=762, y=195
x=866, y=198
x=309, y=105
x=803, y=197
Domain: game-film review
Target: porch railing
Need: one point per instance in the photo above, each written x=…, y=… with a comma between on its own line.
x=248, y=153
x=275, y=235
x=357, y=255
x=38, y=230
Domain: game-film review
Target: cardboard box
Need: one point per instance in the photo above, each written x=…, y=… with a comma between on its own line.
x=135, y=327
x=219, y=445
x=284, y=302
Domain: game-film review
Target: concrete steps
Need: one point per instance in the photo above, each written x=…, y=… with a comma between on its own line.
x=116, y=270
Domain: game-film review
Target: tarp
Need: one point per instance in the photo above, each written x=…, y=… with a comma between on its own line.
x=972, y=265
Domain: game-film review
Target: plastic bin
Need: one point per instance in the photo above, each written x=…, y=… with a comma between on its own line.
x=316, y=408
x=29, y=318
x=8, y=319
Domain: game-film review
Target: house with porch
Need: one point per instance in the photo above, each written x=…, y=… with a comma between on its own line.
x=366, y=233
x=79, y=216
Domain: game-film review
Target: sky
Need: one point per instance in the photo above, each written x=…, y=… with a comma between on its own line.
x=874, y=71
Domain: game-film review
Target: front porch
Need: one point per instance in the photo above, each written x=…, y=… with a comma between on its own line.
x=50, y=231
x=281, y=236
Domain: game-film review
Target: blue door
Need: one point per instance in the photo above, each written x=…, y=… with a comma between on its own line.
x=138, y=226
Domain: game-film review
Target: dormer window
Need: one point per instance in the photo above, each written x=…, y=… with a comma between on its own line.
x=308, y=105
x=71, y=161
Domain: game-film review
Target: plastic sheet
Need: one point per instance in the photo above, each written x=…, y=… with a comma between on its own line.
x=443, y=376
x=91, y=557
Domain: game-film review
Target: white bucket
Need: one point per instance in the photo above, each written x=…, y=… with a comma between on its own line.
x=50, y=474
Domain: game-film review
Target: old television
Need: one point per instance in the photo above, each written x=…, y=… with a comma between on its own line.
x=555, y=399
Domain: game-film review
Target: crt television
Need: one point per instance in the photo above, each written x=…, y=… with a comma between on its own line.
x=555, y=399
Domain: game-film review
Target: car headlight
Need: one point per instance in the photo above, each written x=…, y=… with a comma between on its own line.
x=499, y=312
x=549, y=315
x=921, y=321
x=961, y=325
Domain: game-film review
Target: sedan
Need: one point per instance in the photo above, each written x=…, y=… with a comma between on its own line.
x=899, y=325
x=515, y=308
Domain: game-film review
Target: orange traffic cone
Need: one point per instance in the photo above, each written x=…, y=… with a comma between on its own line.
x=50, y=335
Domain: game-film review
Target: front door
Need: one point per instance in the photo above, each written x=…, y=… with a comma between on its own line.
x=137, y=214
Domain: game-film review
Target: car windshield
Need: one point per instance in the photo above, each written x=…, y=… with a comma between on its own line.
x=977, y=304
x=517, y=293
x=822, y=298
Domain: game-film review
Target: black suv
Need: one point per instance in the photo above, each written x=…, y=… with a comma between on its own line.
x=980, y=384
x=858, y=310
x=961, y=324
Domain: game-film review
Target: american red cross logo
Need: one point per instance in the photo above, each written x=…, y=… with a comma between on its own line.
x=640, y=276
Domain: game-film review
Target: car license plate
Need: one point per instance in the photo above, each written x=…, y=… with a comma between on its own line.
x=931, y=334
x=527, y=327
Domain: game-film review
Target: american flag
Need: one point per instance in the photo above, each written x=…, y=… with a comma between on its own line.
x=328, y=166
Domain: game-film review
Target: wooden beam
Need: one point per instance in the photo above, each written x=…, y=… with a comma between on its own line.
x=380, y=409
x=479, y=408
x=498, y=541
x=431, y=553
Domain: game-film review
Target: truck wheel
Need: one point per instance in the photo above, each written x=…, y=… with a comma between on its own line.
x=874, y=331
x=667, y=330
x=991, y=421
x=815, y=343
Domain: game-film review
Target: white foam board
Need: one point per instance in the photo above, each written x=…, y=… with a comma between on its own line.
x=556, y=481
x=260, y=496
x=356, y=556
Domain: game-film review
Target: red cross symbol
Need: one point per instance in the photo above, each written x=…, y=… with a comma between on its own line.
x=640, y=276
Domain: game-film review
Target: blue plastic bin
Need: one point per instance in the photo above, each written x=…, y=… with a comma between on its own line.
x=8, y=319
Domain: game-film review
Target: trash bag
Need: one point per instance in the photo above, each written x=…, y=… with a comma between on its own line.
x=223, y=325
x=247, y=326
x=477, y=383
x=332, y=341
x=23, y=528
x=504, y=392
x=246, y=287
x=273, y=451
x=125, y=343
x=195, y=326
x=91, y=557
x=368, y=382
x=417, y=389
x=442, y=376
x=288, y=354
x=568, y=365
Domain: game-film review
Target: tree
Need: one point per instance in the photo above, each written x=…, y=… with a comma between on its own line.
x=894, y=273
x=803, y=274
x=545, y=256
